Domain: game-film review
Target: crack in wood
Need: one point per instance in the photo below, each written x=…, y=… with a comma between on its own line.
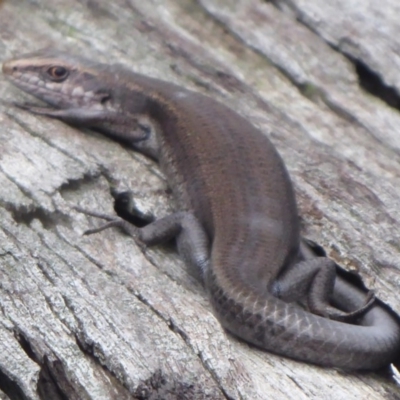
x=369, y=80
x=10, y=387
x=53, y=383
x=372, y=83
x=160, y=386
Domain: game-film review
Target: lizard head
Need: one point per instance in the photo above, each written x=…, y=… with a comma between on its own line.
x=69, y=84
x=85, y=93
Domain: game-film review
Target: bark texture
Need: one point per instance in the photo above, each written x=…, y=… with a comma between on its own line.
x=95, y=317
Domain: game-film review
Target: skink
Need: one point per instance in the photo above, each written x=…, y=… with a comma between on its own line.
x=237, y=218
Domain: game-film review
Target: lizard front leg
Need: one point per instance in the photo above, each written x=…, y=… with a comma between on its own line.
x=192, y=241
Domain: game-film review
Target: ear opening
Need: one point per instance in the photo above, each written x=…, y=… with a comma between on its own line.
x=103, y=96
x=106, y=98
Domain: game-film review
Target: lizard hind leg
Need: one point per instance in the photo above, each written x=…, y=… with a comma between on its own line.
x=314, y=279
x=320, y=295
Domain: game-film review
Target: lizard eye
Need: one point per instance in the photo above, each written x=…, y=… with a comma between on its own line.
x=57, y=74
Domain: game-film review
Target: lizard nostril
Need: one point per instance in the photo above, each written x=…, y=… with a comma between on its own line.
x=104, y=100
x=8, y=68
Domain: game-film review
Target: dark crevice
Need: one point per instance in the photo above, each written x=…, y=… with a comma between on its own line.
x=75, y=184
x=372, y=83
x=179, y=331
x=26, y=346
x=24, y=215
x=369, y=80
x=11, y=388
x=53, y=383
x=50, y=376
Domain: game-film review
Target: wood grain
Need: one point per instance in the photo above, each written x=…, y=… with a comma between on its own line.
x=94, y=317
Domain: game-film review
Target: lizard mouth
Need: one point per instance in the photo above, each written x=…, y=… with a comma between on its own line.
x=35, y=108
x=41, y=110
x=81, y=115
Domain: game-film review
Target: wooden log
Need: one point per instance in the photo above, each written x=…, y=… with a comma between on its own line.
x=97, y=318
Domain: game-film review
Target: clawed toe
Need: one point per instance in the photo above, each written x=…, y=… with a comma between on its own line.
x=95, y=214
x=113, y=221
x=352, y=315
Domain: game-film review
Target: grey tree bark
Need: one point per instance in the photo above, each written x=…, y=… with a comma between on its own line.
x=95, y=317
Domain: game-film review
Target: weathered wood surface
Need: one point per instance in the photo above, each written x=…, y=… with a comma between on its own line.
x=94, y=317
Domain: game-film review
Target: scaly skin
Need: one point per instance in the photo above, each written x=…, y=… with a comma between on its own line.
x=238, y=208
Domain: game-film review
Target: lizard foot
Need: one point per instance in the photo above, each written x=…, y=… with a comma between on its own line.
x=113, y=221
x=351, y=316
